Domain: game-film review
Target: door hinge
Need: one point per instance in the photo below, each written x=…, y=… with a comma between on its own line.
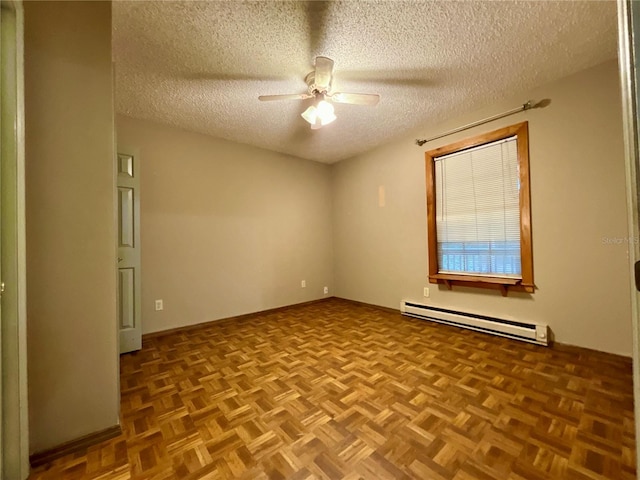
x=636, y=269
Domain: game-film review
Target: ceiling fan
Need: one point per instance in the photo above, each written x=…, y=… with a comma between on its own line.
x=321, y=113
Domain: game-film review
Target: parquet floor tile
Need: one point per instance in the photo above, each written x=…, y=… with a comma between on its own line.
x=339, y=390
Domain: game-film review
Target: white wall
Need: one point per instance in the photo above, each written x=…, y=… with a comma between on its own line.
x=70, y=216
x=226, y=229
x=578, y=217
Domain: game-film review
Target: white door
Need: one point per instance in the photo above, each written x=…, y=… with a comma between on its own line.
x=628, y=50
x=129, y=302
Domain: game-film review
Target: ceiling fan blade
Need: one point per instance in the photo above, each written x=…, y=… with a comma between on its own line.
x=324, y=67
x=293, y=96
x=355, y=98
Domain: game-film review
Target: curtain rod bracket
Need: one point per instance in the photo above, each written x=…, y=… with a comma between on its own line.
x=525, y=106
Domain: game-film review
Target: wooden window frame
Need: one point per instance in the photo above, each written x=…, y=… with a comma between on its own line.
x=504, y=284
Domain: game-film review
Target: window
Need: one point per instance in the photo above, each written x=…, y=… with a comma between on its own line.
x=478, y=212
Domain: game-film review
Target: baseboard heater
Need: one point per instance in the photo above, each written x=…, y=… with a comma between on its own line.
x=527, y=332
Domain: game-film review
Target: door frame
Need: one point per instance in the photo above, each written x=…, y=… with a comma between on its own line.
x=13, y=363
x=628, y=49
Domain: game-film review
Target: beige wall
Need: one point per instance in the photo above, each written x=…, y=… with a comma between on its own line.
x=226, y=229
x=578, y=217
x=72, y=342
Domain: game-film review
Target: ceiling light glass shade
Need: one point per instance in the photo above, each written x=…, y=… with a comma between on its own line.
x=325, y=112
x=320, y=115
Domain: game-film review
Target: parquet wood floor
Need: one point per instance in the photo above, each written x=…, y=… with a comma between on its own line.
x=337, y=390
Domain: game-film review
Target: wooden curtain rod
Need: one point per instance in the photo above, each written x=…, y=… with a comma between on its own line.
x=525, y=106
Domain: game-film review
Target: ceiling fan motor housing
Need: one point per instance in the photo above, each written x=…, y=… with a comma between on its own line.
x=310, y=80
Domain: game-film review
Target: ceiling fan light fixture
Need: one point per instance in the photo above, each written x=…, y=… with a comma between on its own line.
x=319, y=115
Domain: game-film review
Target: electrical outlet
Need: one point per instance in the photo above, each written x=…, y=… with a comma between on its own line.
x=326, y=290
x=426, y=292
x=159, y=305
x=303, y=284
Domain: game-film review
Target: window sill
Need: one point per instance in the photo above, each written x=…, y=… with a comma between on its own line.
x=503, y=284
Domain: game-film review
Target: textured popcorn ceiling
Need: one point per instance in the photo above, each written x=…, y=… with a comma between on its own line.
x=201, y=65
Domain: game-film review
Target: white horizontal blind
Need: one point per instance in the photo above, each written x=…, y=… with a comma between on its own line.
x=478, y=210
